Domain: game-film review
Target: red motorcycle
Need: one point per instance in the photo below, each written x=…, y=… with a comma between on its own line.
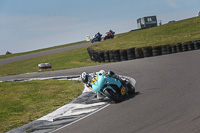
x=109, y=35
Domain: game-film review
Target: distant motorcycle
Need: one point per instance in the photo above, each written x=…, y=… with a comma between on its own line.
x=109, y=35
x=96, y=38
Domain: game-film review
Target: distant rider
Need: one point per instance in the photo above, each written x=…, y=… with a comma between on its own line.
x=98, y=35
x=111, y=31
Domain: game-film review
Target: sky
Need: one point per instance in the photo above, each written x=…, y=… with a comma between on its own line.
x=27, y=25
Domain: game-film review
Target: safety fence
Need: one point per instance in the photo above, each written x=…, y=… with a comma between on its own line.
x=143, y=52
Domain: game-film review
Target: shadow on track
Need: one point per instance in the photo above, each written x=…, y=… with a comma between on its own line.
x=127, y=97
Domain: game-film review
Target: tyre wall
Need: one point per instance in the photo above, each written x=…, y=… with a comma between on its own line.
x=144, y=52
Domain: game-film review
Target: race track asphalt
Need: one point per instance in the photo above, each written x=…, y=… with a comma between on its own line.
x=167, y=100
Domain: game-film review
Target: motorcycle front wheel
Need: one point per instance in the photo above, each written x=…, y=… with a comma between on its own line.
x=113, y=96
x=131, y=89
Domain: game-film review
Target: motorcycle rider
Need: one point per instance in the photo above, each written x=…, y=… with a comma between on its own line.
x=98, y=35
x=111, y=31
x=86, y=78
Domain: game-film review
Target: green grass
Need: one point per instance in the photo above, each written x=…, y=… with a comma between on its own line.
x=181, y=31
x=60, y=46
x=63, y=60
x=23, y=102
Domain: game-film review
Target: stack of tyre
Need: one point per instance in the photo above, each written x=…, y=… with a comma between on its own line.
x=136, y=53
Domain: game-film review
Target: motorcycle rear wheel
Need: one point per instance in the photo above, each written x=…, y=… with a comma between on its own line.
x=113, y=96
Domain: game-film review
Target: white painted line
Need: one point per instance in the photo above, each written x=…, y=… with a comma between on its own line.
x=81, y=118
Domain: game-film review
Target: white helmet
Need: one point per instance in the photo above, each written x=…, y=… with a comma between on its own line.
x=102, y=72
x=84, y=77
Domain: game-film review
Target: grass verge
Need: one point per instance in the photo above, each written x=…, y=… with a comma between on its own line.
x=180, y=31
x=23, y=102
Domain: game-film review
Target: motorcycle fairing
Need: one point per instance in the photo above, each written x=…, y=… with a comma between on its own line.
x=109, y=87
x=100, y=82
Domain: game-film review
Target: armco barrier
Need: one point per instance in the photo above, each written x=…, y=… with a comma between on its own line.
x=136, y=53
